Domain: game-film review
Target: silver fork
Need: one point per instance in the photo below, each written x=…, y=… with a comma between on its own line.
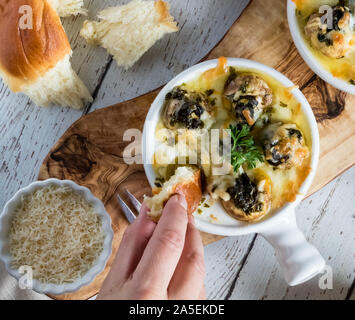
x=125, y=208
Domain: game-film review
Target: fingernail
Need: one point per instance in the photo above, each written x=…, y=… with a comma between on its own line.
x=181, y=200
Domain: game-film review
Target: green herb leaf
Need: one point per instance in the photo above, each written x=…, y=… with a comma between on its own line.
x=243, y=149
x=283, y=104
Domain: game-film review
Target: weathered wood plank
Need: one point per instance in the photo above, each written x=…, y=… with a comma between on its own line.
x=272, y=44
x=327, y=219
x=18, y=114
x=202, y=24
x=224, y=260
x=28, y=132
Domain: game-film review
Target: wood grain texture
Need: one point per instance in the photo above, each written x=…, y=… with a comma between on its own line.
x=224, y=261
x=202, y=24
x=90, y=152
x=269, y=41
x=28, y=132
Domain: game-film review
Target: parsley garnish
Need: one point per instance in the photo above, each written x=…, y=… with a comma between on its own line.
x=283, y=104
x=243, y=148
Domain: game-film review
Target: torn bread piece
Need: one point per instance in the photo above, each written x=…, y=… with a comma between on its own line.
x=60, y=86
x=66, y=8
x=36, y=60
x=185, y=181
x=128, y=31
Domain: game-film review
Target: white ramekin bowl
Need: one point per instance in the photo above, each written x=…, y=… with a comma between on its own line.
x=299, y=259
x=48, y=288
x=307, y=55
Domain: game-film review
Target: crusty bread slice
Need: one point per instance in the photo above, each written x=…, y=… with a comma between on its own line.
x=60, y=86
x=128, y=31
x=66, y=8
x=36, y=60
x=185, y=181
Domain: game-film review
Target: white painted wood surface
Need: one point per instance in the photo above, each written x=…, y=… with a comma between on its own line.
x=328, y=220
x=238, y=268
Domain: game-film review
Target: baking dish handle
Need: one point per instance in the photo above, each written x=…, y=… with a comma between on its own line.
x=299, y=260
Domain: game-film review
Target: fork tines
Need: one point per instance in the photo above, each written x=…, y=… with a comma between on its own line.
x=126, y=209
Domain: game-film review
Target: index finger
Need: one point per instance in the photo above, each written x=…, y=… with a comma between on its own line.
x=165, y=247
x=130, y=251
x=190, y=272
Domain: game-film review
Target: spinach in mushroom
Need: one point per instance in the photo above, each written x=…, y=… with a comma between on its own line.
x=333, y=42
x=250, y=95
x=250, y=198
x=284, y=145
x=186, y=109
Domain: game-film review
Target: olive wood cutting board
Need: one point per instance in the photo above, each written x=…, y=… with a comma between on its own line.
x=90, y=152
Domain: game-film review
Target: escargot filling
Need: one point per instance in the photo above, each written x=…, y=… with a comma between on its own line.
x=244, y=194
x=244, y=131
x=185, y=108
x=338, y=14
x=323, y=34
x=334, y=41
x=249, y=96
x=189, y=115
x=247, y=104
x=284, y=145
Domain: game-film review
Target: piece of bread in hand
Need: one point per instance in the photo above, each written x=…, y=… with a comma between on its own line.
x=66, y=8
x=185, y=181
x=128, y=31
x=35, y=60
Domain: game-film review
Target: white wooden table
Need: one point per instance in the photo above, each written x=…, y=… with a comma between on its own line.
x=237, y=267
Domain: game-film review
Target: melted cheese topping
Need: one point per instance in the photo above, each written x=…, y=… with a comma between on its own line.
x=161, y=196
x=285, y=108
x=343, y=68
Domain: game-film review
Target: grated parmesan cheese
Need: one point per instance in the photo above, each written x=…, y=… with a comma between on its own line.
x=56, y=232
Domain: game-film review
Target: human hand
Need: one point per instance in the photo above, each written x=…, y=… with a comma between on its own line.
x=158, y=261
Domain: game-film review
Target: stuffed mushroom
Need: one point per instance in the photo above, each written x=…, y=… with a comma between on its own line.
x=250, y=198
x=284, y=145
x=333, y=42
x=249, y=95
x=187, y=109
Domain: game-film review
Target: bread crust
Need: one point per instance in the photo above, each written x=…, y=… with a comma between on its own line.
x=192, y=191
x=162, y=9
x=27, y=54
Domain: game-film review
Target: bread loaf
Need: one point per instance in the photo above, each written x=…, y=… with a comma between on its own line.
x=128, y=31
x=35, y=59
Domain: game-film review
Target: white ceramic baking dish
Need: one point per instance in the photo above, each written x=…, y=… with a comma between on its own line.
x=307, y=55
x=300, y=260
x=48, y=288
